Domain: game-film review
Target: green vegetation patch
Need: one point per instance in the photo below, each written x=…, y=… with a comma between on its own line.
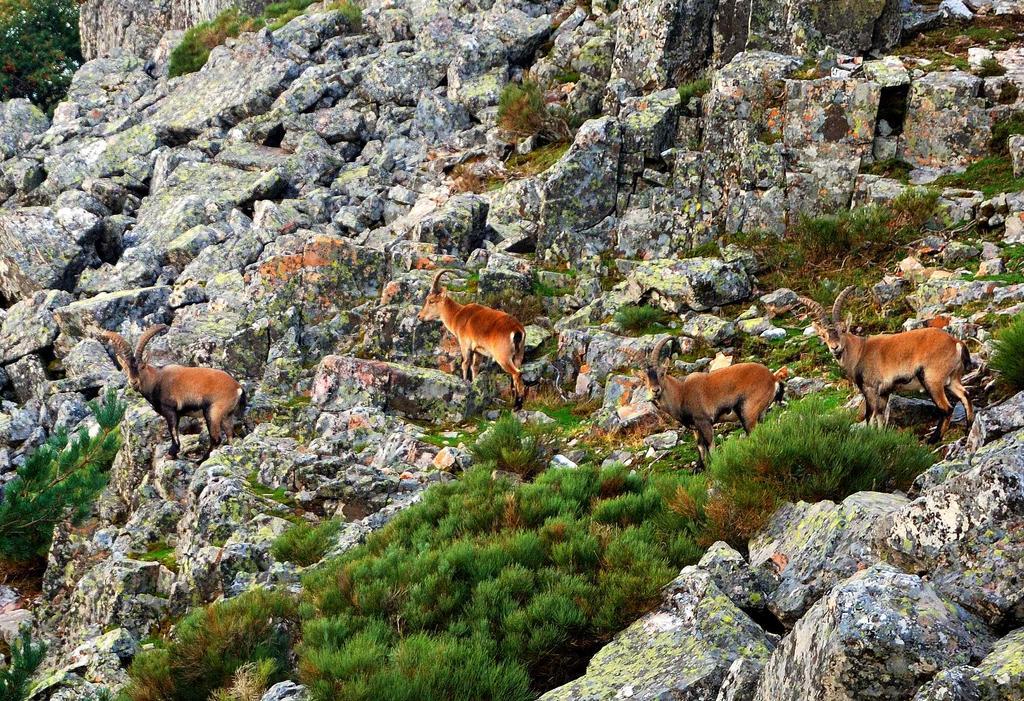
x=305, y=543
x=809, y=452
x=695, y=88
x=39, y=44
x=992, y=175
x=1008, y=355
x=641, y=319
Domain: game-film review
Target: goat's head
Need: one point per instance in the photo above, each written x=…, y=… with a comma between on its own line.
x=655, y=370
x=831, y=331
x=435, y=299
x=131, y=362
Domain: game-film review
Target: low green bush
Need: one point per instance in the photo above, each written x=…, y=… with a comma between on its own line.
x=305, y=543
x=694, y=88
x=1003, y=129
x=511, y=446
x=521, y=109
x=640, y=319
x=193, y=51
x=491, y=590
x=58, y=480
x=1008, y=353
x=212, y=644
x=26, y=656
x=808, y=452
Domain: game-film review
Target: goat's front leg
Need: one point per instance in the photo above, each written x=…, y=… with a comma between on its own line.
x=467, y=359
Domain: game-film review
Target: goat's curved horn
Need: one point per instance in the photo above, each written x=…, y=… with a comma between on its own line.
x=816, y=310
x=837, y=307
x=658, y=347
x=121, y=349
x=145, y=338
x=435, y=285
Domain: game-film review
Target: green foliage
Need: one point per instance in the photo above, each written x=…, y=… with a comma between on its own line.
x=305, y=543
x=992, y=175
x=39, y=49
x=512, y=447
x=1008, y=355
x=26, y=657
x=352, y=12
x=640, y=319
x=58, y=480
x=193, y=51
x=1003, y=129
x=890, y=168
x=521, y=109
x=809, y=452
x=212, y=644
x=523, y=165
x=488, y=590
x=990, y=68
x=695, y=88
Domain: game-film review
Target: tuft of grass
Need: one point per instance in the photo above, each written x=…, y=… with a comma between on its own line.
x=211, y=644
x=1008, y=354
x=513, y=447
x=641, y=319
x=1003, y=129
x=809, y=452
x=890, y=168
x=193, y=51
x=990, y=68
x=695, y=88
x=521, y=109
x=163, y=553
x=304, y=543
x=992, y=175
x=536, y=161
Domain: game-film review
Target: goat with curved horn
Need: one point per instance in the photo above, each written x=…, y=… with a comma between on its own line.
x=481, y=332
x=927, y=359
x=744, y=392
x=175, y=391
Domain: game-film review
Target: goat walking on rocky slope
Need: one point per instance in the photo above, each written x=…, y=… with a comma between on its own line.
x=481, y=332
x=175, y=391
x=923, y=359
x=700, y=400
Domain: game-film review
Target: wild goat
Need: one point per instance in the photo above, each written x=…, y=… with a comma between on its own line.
x=175, y=391
x=481, y=332
x=924, y=359
x=702, y=399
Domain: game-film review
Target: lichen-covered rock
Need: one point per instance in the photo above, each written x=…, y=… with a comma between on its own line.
x=689, y=284
x=580, y=190
x=683, y=649
x=114, y=311
x=20, y=123
x=29, y=325
x=998, y=677
x=880, y=634
x=343, y=382
x=814, y=546
x=458, y=226
x=947, y=123
x=42, y=248
x=748, y=587
x=968, y=534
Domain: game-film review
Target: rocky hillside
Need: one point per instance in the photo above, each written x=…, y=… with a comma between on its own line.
x=610, y=174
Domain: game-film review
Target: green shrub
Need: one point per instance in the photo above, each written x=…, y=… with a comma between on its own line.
x=695, y=88
x=1003, y=129
x=193, y=51
x=58, y=480
x=26, y=657
x=490, y=590
x=990, y=68
x=212, y=644
x=992, y=174
x=521, y=109
x=304, y=543
x=808, y=452
x=39, y=47
x=1008, y=353
x=639, y=319
x=512, y=447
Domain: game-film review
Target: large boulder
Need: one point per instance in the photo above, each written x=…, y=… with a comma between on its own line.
x=947, y=122
x=691, y=283
x=20, y=123
x=968, y=534
x=580, y=191
x=42, y=248
x=814, y=546
x=29, y=325
x=998, y=677
x=880, y=635
x=421, y=394
x=681, y=650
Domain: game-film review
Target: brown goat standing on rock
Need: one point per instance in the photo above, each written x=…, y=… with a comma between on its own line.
x=702, y=399
x=923, y=359
x=175, y=391
x=481, y=332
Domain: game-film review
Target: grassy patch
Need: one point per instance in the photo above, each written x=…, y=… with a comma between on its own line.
x=305, y=543
x=695, y=88
x=536, y=161
x=641, y=319
x=163, y=553
x=211, y=644
x=1003, y=130
x=992, y=175
x=990, y=68
x=809, y=452
x=1008, y=355
x=890, y=168
x=489, y=590
x=193, y=51
x=522, y=110
x=279, y=494
x=946, y=46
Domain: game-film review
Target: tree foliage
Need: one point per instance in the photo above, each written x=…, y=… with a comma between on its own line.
x=39, y=49
x=26, y=657
x=58, y=480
